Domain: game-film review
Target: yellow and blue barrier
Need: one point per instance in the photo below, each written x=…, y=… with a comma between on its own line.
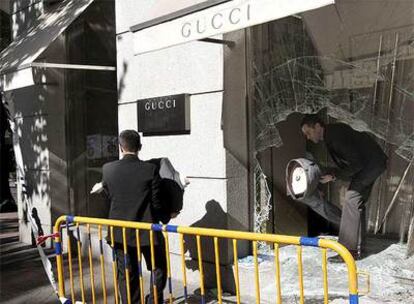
x=215, y=234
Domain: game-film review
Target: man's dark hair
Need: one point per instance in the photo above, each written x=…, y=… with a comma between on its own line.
x=130, y=141
x=311, y=120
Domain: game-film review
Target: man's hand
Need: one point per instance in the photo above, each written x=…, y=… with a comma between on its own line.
x=326, y=178
x=97, y=188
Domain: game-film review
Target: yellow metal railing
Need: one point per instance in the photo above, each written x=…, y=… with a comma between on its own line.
x=215, y=234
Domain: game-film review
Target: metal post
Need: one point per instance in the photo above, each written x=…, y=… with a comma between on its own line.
x=393, y=200
x=373, y=110
x=407, y=211
x=374, y=98
x=390, y=99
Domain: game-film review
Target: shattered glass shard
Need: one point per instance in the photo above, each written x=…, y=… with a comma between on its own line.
x=311, y=83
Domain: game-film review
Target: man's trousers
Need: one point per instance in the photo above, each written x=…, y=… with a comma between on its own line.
x=353, y=222
x=159, y=275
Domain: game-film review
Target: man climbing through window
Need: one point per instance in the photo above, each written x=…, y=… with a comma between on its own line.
x=359, y=158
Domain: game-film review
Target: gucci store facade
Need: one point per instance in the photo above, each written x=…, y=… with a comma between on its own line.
x=219, y=87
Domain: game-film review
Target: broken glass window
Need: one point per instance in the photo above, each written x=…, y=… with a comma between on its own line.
x=365, y=80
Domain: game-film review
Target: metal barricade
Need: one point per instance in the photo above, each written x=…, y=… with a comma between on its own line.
x=215, y=234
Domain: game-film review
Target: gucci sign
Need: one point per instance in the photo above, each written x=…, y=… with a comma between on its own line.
x=165, y=115
x=218, y=19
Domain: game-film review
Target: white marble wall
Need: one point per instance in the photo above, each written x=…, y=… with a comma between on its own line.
x=195, y=68
x=218, y=172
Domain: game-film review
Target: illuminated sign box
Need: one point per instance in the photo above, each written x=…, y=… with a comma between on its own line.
x=165, y=115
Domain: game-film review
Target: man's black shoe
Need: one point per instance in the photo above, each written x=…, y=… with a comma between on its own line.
x=355, y=254
x=336, y=259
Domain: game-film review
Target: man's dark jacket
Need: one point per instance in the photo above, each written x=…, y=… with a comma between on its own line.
x=355, y=153
x=132, y=186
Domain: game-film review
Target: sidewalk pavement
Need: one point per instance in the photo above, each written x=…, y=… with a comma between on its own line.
x=22, y=278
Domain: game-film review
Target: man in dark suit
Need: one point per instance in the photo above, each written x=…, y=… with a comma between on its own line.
x=132, y=187
x=359, y=158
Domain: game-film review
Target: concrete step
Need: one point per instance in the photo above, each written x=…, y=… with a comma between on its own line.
x=21, y=253
x=8, y=216
x=9, y=237
x=9, y=228
x=11, y=247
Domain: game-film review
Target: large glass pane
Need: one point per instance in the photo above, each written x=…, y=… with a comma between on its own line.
x=91, y=101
